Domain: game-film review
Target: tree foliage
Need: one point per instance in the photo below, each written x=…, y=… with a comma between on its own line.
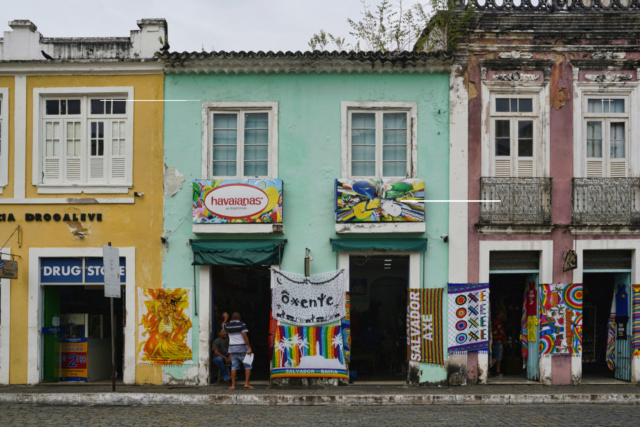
x=394, y=27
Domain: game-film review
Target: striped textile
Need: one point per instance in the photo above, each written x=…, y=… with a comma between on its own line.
x=308, y=351
x=611, y=335
x=346, y=329
x=424, y=326
x=635, y=321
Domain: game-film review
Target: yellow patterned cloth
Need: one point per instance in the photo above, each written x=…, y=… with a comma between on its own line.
x=532, y=322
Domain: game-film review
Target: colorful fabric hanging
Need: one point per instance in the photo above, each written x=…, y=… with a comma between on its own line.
x=635, y=322
x=560, y=318
x=611, y=335
x=531, y=299
x=346, y=329
x=424, y=326
x=524, y=336
x=308, y=351
x=468, y=317
x=622, y=302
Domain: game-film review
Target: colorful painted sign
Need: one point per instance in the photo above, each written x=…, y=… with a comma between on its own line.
x=379, y=200
x=308, y=351
x=560, y=318
x=424, y=326
x=164, y=328
x=237, y=201
x=73, y=359
x=468, y=317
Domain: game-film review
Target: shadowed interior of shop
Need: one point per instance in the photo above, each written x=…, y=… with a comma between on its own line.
x=246, y=290
x=506, y=295
x=378, y=292
x=596, y=307
x=80, y=312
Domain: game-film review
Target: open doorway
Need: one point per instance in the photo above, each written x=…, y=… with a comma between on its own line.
x=378, y=291
x=507, y=297
x=247, y=290
x=597, y=298
x=77, y=334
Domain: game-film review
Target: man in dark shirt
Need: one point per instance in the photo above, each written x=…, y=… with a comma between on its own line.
x=238, y=347
x=221, y=356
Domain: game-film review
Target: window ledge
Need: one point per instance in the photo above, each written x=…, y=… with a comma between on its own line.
x=87, y=189
x=380, y=227
x=238, y=228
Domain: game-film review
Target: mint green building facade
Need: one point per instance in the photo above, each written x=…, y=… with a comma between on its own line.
x=313, y=119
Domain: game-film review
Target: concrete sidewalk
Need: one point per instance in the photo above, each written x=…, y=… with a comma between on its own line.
x=360, y=394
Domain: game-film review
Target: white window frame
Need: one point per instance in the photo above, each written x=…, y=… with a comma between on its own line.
x=541, y=132
x=87, y=186
x=584, y=90
x=411, y=108
x=209, y=108
x=513, y=119
x=4, y=139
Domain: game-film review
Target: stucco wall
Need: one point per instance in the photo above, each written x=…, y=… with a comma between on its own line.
x=308, y=161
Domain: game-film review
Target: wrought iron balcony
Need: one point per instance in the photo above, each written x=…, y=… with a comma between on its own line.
x=599, y=6
x=606, y=201
x=523, y=201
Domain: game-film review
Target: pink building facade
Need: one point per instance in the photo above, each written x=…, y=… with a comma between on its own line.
x=545, y=131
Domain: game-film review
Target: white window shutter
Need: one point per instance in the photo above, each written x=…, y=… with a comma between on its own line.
x=594, y=168
x=72, y=150
x=117, y=150
x=525, y=168
x=503, y=168
x=618, y=168
x=51, y=149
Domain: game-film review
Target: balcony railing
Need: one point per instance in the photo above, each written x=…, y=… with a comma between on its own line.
x=523, y=201
x=551, y=5
x=606, y=201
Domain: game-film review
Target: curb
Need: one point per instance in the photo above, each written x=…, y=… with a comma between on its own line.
x=133, y=399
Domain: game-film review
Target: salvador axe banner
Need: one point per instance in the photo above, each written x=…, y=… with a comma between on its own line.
x=424, y=326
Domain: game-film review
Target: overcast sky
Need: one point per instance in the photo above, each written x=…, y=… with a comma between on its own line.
x=193, y=24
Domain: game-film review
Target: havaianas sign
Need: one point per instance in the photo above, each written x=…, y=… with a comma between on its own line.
x=237, y=201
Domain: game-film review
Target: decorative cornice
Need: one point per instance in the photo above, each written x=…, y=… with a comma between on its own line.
x=608, y=77
x=516, y=76
x=608, y=55
x=515, y=54
x=303, y=62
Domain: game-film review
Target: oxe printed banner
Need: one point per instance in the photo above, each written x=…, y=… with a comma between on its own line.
x=424, y=326
x=468, y=317
x=560, y=318
x=308, y=300
x=310, y=351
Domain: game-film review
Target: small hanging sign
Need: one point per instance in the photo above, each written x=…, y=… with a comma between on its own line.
x=570, y=260
x=9, y=269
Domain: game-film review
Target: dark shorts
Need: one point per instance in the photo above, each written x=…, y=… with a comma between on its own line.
x=498, y=350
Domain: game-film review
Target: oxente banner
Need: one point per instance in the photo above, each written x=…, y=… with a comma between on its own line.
x=308, y=300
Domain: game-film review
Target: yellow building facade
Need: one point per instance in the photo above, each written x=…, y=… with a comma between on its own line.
x=81, y=166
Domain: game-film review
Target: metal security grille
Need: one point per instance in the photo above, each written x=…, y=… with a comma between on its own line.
x=514, y=260
x=607, y=260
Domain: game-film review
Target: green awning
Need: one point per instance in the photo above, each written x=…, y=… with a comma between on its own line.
x=379, y=244
x=238, y=252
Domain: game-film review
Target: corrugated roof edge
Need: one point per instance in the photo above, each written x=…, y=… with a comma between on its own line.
x=310, y=61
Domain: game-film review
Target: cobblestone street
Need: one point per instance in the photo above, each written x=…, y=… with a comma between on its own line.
x=196, y=415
